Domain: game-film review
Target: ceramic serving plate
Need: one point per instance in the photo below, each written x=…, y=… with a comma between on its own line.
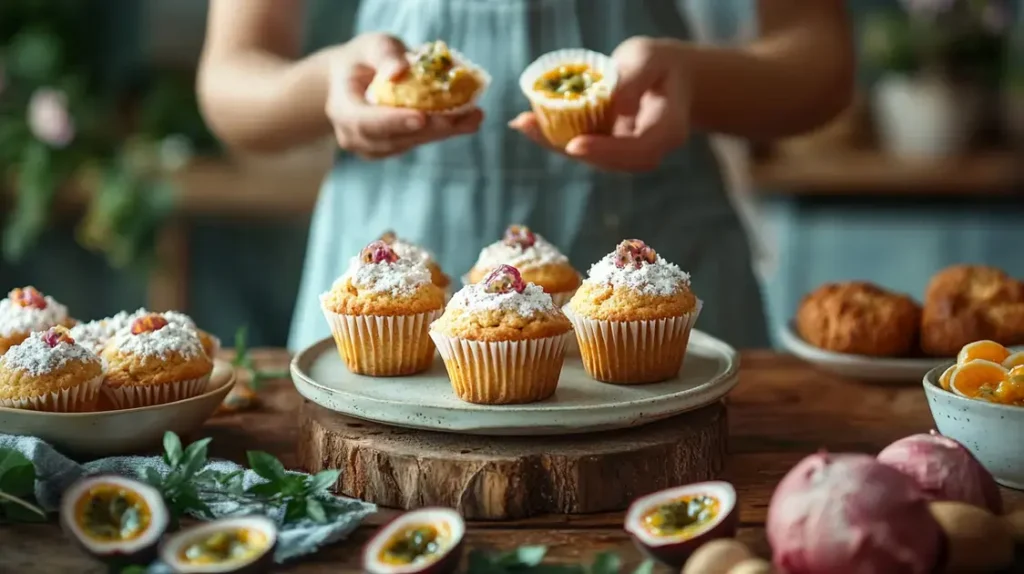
x=580, y=404
x=991, y=431
x=127, y=431
x=858, y=367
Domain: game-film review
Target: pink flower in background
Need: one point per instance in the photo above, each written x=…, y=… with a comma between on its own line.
x=49, y=119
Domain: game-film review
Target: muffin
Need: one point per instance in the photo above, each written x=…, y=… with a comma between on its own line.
x=502, y=340
x=966, y=303
x=408, y=250
x=95, y=334
x=633, y=315
x=570, y=92
x=48, y=371
x=439, y=80
x=25, y=311
x=153, y=361
x=539, y=262
x=859, y=318
x=379, y=312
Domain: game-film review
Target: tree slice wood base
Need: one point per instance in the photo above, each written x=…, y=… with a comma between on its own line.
x=502, y=478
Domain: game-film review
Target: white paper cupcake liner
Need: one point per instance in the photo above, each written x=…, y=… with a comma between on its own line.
x=384, y=346
x=633, y=352
x=132, y=396
x=76, y=399
x=459, y=58
x=502, y=372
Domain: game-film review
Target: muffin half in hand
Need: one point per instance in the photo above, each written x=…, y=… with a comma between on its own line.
x=859, y=318
x=25, y=311
x=48, y=371
x=379, y=312
x=967, y=303
x=535, y=258
x=633, y=315
x=154, y=362
x=502, y=340
x=439, y=80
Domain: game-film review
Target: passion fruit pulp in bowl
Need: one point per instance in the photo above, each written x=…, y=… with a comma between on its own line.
x=242, y=544
x=670, y=524
x=424, y=541
x=113, y=518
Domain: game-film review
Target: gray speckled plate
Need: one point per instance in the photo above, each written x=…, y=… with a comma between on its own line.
x=580, y=404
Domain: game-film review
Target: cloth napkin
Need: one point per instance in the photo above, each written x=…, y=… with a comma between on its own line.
x=55, y=472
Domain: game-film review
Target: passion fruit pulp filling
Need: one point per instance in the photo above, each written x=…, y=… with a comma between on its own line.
x=682, y=516
x=435, y=63
x=224, y=546
x=568, y=82
x=110, y=513
x=418, y=543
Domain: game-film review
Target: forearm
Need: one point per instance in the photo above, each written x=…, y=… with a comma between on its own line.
x=798, y=76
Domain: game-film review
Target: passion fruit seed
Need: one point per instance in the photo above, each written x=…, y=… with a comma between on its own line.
x=389, y=237
x=412, y=544
x=673, y=518
x=223, y=546
x=114, y=514
x=29, y=297
x=148, y=324
x=56, y=336
x=717, y=557
x=976, y=539
x=635, y=253
x=504, y=279
x=378, y=252
x=519, y=236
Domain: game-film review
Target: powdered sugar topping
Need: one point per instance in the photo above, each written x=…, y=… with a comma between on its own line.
x=531, y=301
x=659, y=278
x=94, y=335
x=539, y=254
x=171, y=338
x=15, y=319
x=411, y=251
x=35, y=357
x=399, y=278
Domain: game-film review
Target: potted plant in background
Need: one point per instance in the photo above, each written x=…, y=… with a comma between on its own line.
x=938, y=61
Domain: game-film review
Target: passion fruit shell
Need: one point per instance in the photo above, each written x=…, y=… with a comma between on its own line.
x=174, y=546
x=674, y=550
x=140, y=547
x=446, y=560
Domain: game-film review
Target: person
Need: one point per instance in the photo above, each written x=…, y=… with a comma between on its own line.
x=455, y=184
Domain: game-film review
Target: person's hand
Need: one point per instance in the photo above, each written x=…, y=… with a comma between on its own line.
x=651, y=106
x=374, y=132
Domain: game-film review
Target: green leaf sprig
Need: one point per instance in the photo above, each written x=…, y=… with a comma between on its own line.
x=17, y=488
x=531, y=558
x=243, y=360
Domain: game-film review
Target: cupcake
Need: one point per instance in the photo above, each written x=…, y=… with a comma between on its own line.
x=26, y=311
x=633, y=315
x=407, y=250
x=539, y=262
x=379, y=312
x=502, y=340
x=570, y=92
x=95, y=334
x=48, y=371
x=439, y=80
x=153, y=362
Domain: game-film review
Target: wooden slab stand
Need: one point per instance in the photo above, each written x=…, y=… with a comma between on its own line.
x=503, y=478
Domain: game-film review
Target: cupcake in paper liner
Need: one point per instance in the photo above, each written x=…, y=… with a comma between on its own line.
x=535, y=258
x=380, y=312
x=154, y=361
x=633, y=315
x=25, y=311
x=570, y=92
x=440, y=81
x=49, y=371
x=502, y=340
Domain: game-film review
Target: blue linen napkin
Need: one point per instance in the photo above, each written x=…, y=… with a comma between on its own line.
x=55, y=472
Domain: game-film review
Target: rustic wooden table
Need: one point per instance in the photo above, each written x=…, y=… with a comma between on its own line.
x=781, y=411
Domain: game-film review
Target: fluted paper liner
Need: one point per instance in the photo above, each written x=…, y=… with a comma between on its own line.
x=383, y=346
x=561, y=120
x=132, y=396
x=78, y=399
x=502, y=372
x=633, y=352
x=460, y=59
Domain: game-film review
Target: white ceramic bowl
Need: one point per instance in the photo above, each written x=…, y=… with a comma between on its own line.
x=127, y=431
x=991, y=431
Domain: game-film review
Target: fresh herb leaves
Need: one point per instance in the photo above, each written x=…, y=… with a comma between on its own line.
x=188, y=484
x=17, y=489
x=244, y=361
x=530, y=559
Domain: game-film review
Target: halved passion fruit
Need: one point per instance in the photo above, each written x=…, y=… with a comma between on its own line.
x=243, y=544
x=670, y=524
x=116, y=519
x=424, y=541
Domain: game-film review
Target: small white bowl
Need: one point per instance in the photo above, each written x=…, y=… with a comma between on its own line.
x=991, y=431
x=127, y=431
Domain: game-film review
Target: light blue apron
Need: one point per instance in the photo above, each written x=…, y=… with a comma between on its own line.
x=459, y=195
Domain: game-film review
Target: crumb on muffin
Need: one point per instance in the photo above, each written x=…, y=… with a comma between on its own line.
x=46, y=362
x=537, y=260
x=153, y=351
x=379, y=282
x=859, y=318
